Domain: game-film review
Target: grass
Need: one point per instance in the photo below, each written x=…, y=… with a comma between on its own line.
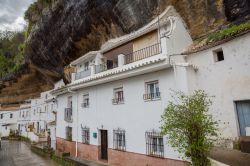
x=62, y=161
x=228, y=32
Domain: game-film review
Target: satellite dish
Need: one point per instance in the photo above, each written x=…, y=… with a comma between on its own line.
x=167, y=28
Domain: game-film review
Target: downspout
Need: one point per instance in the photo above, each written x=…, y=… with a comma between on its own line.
x=75, y=92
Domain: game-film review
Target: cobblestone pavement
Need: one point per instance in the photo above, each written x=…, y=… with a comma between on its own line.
x=14, y=153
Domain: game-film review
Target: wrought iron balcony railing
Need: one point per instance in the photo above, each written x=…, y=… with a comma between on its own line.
x=152, y=96
x=100, y=68
x=82, y=74
x=118, y=100
x=143, y=53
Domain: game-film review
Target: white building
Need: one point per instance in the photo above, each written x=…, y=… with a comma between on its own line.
x=111, y=110
x=223, y=71
x=8, y=121
x=42, y=112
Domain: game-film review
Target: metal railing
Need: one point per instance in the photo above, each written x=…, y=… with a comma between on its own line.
x=152, y=96
x=82, y=74
x=118, y=100
x=68, y=115
x=100, y=68
x=143, y=53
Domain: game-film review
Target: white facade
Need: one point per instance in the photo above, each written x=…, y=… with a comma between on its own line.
x=136, y=115
x=227, y=80
x=8, y=121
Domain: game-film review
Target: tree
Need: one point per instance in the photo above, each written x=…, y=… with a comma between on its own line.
x=189, y=127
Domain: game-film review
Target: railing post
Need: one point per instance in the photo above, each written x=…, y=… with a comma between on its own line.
x=92, y=69
x=73, y=77
x=164, y=45
x=121, y=60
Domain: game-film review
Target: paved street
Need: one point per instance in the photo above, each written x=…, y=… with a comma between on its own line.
x=16, y=153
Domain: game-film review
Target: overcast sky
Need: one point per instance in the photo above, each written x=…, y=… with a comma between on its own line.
x=12, y=13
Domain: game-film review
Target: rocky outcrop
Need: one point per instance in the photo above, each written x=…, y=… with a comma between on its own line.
x=68, y=29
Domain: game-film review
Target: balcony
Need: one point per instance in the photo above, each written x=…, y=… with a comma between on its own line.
x=143, y=53
x=103, y=64
x=100, y=68
x=68, y=115
x=152, y=96
x=85, y=105
x=82, y=74
x=118, y=101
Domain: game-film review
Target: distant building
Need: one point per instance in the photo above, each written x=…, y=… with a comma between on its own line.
x=8, y=121
x=24, y=119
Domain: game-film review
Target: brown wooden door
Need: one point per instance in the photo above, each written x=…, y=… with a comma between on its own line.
x=104, y=144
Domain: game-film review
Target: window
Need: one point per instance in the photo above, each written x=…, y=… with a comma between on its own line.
x=11, y=115
x=68, y=115
x=119, y=142
x=85, y=135
x=154, y=144
x=86, y=66
x=218, y=55
x=152, y=90
x=85, y=103
x=70, y=102
x=69, y=133
x=118, y=96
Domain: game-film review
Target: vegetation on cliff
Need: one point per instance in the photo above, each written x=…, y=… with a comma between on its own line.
x=34, y=13
x=11, y=52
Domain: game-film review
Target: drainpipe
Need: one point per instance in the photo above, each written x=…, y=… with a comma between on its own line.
x=75, y=92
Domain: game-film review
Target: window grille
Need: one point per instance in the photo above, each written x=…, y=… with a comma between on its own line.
x=118, y=96
x=154, y=144
x=152, y=90
x=69, y=133
x=85, y=135
x=119, y=141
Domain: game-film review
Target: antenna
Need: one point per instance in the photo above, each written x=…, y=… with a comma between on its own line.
x=158, y=21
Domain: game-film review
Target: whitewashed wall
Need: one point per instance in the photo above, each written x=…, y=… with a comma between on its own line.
x=228, y=81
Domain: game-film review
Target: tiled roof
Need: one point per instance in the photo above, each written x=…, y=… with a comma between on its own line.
x=203, y=45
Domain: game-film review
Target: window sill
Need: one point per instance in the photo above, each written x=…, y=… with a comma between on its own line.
x=120, y=150
x=118, y=103
x=153, y=99
x=85, y=143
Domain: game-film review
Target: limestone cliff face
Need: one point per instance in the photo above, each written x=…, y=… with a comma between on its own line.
x=68, y=29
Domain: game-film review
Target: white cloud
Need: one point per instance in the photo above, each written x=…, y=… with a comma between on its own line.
x=12, y=13
x=17, y=25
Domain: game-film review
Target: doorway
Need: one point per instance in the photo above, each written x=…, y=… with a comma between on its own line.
x=243, y=111
x=104, y=144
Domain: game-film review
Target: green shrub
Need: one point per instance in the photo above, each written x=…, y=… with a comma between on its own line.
x=189, y=128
